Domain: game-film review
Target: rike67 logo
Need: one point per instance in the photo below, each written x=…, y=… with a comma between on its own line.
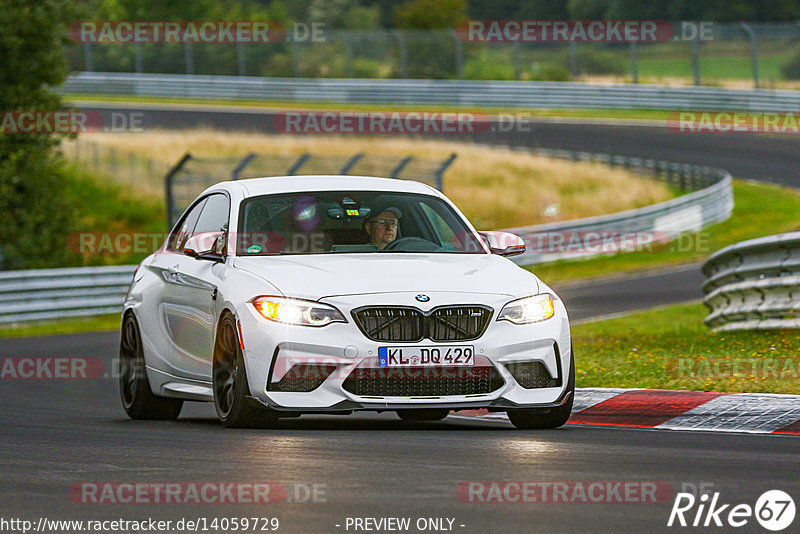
x=774, y=510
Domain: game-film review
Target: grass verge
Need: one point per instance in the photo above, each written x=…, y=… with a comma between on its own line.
x=108, y=218
x=101, y=323
x=671, y=348
x=494, y=187
x=760, y=209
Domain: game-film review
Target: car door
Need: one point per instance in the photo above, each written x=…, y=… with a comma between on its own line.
x=189, y=301
x=155, y=315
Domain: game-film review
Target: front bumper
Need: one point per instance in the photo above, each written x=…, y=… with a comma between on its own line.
x=271, y=350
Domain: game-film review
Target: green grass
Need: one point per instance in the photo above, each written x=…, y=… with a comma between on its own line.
x=105, y=208
x=671, y=348
x=760, y=209
x=101, y=323
x=714, y=68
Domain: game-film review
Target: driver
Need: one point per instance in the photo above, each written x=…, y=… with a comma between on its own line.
x=382, y=228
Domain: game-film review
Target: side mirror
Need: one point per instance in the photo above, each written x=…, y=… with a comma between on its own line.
x=503, y=243
x=204, y=246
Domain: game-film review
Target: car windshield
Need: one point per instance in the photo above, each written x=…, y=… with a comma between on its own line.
x=331, y=222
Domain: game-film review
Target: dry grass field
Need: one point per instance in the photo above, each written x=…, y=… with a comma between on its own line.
x=494, y=187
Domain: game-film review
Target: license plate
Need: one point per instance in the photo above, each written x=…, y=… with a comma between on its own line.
x=441, y=355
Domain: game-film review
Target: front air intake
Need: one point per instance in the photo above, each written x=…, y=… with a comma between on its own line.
x=532, y=375
x=302, y=378
x=423, y=381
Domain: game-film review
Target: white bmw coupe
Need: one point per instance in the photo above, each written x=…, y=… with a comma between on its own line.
x=276, y=297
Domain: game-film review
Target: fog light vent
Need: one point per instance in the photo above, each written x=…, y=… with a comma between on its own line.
x=303, y=378
x=532, y=375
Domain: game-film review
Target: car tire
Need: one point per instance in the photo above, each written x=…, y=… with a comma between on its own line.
x=536, y=418
x=424, y=414
x=137, y=397
x=229, y=381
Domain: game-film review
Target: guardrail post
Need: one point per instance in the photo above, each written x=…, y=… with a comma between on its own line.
x=295, y=58
x=696, y=58
x=400, y=166
x=187, y=52
x=241, y=60
x=87, y=56
x=439, y=175
x=133, y=164
x=112, y=162
x=634, y=62
x=348, y=48
x=573, y=60
x=245, y=161
x=137, y=57
x=402, y=51
x=351, y=163
x=459, y=55
x=297, y=164
x=168, y=197
x=95, y=156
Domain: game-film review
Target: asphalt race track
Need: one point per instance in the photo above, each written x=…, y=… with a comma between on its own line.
x=58, y=434
x=620, y=294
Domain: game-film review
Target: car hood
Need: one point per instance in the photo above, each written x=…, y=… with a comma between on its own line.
x=318, y=276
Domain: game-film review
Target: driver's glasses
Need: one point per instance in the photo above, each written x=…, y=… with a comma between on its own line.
x=387, y=223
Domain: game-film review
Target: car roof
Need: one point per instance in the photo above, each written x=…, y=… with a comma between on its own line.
x=287, y=184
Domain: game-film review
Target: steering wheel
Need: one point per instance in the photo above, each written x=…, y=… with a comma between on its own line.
x=412, y=244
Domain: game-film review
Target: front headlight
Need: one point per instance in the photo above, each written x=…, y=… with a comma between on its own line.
x=528, y=310
x=296, y=311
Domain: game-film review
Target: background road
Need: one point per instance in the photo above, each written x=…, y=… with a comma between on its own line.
x=57, y=433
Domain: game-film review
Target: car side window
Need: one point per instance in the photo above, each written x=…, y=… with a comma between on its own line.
x=214, y=218
x=185, y=228
x=443, y=231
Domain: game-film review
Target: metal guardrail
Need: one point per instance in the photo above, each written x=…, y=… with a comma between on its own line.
x=509, y=94
x=54, y=293
x=710, y=201
x=50, y=293
x=754, y=284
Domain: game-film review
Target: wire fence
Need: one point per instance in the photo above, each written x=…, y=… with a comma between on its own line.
x=134, y=172
x=762, y=54
x=191, y=174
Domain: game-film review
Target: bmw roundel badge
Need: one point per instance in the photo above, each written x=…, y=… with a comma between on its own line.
x=422, y=298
